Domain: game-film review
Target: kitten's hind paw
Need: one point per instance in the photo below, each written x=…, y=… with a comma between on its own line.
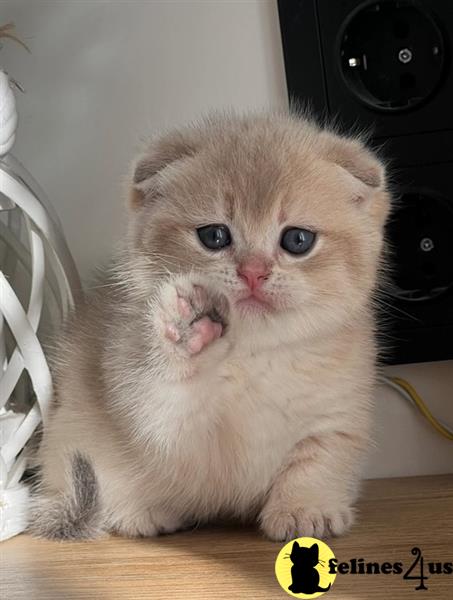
x=147, y=524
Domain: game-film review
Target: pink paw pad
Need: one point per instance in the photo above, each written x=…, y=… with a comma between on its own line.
x=203, y=332
x=184, y=308
x=172, y=333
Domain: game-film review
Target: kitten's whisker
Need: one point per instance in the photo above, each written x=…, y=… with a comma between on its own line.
x=380, y=302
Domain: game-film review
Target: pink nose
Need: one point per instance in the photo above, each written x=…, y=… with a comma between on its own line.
x=254, y=272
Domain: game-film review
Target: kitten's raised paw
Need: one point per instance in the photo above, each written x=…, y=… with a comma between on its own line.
x=190, y=317
x=280, y=526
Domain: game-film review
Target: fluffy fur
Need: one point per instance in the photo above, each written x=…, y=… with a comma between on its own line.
x=175, y=402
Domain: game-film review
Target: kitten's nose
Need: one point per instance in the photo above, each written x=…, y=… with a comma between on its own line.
x=254, y=272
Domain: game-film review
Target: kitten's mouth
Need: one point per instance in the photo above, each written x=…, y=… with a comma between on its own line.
x=254, y=304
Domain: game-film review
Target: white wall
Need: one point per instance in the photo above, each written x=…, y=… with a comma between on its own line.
x=103, y=73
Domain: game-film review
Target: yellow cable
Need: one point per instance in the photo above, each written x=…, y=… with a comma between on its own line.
x=405, y=385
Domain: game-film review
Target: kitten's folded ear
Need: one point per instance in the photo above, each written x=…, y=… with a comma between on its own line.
x=162, y=152
x=353, y=156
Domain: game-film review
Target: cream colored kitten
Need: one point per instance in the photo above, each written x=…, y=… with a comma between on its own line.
x=227, y=367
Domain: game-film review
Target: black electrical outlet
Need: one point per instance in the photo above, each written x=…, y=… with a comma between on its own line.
x=385, y=66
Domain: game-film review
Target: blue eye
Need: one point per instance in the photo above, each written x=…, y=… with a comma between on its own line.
x=214, y=237
x=297, y=241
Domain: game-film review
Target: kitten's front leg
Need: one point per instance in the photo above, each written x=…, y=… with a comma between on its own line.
x=189, y=324
x=313, y=493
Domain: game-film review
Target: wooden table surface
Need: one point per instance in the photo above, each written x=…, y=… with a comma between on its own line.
x=237, y=563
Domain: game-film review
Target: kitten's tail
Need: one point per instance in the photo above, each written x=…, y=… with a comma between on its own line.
x=71, y=515
x=320, y=589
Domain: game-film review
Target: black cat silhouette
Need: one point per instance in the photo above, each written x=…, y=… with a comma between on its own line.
x=305, y=576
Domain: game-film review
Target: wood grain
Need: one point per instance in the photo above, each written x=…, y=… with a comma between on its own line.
x=234, y=562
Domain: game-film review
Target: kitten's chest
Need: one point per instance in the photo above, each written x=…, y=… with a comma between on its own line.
x=240, y=420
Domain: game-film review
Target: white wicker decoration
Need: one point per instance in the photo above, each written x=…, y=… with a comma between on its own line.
x=38, y=280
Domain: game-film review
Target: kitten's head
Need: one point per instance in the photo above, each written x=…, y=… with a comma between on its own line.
x=284, y=218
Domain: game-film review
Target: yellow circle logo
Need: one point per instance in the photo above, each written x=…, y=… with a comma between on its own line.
x=302, y=568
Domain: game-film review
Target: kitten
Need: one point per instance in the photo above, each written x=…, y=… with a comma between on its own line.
x=227, y=366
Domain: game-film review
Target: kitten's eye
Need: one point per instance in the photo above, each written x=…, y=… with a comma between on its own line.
x=214, y=237
x=297, y=241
